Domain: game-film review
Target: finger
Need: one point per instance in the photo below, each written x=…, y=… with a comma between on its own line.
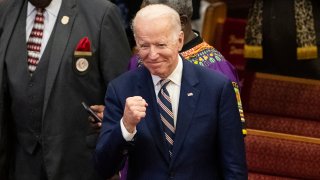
x=97, y=125
x=143, y=102
x=140, y=102
x=91, y=119
x=140, y=115
x=97, y=108
x=100, y=115
x=137, y=97
x=140, y=108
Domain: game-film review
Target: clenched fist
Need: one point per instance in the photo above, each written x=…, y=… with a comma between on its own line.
x=134, y=111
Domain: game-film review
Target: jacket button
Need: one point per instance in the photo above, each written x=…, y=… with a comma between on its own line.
x=38, y=137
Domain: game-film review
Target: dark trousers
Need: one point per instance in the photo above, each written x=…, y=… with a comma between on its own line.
x=28, y=166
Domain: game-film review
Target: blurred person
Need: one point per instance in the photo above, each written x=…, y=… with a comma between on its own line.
x=238, y=8
x=197, y=23
x=282, y=37
x=159, y=115
x=196, y=15
x=128, y=9
x=54, y=54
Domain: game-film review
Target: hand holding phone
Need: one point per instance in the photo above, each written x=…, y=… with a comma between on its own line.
x=93, y=114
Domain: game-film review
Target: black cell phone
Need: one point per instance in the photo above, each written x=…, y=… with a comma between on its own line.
x=93, y=114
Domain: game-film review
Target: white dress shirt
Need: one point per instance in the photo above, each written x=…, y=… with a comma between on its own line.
x=50, y=17
x=173, y=88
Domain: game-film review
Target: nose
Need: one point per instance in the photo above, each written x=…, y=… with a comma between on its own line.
x=153, y=53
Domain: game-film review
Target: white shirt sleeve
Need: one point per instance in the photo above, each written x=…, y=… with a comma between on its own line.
x=126, y=135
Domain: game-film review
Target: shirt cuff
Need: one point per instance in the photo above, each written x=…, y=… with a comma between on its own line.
x=126, y=135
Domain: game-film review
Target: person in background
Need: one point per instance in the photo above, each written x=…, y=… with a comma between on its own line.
x=196, y=15
x=128, y=9
x=171, y=118
x=283, y=38
x=238, y=8
x=55, y=54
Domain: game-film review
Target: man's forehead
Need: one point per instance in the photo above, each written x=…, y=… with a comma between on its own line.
x=153, y=26
x=154, y=14
x=151, y=19
x=155, y=10
x=152, y=39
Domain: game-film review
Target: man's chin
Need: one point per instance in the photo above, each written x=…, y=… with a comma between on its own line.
x=40, y=3
x=161, y=74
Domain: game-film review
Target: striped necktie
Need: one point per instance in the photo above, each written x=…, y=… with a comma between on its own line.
x=34, y=41
x=166, y=114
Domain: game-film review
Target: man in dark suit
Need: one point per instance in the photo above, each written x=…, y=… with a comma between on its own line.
x=44, y=131
x=170, y=118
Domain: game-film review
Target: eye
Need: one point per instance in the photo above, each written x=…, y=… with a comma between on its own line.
x=161, y=45
x=144, y=46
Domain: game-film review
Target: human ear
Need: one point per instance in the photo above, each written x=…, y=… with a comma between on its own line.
x=181, y=40
x=183, y=20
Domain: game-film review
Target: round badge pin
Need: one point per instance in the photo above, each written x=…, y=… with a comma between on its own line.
x=82, y=64
x=65, y=20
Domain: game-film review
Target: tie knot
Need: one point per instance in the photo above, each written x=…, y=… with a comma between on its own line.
x=164, y=82
x=40, y=10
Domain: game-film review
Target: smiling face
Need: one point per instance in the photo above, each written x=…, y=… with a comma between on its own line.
x=158, y=43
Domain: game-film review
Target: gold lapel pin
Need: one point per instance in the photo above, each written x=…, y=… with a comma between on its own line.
x=65, y=20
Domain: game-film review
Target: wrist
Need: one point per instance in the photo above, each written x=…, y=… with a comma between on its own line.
x=128, y=127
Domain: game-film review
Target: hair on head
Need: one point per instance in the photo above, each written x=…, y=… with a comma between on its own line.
x=183, y=7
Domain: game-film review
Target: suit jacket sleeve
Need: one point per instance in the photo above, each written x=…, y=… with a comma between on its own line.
x=5, y=129
x=230, y=139
x=3, y=8
x=112, y=148
x=114, y=47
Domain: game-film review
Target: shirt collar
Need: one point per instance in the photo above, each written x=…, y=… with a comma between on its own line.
x=174, y=77
x=53, y=7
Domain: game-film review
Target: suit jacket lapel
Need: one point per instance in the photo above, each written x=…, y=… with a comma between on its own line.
x=189, y=95
x=153, y=118
x=60, y=41
x=10, y=24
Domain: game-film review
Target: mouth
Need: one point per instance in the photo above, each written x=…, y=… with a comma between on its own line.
x=154, y=63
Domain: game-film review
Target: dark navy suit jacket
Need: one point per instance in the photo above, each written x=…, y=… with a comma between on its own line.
x=208, y=141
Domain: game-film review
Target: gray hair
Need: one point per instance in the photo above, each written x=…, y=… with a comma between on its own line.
x=183, y=7
x=156, y=11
